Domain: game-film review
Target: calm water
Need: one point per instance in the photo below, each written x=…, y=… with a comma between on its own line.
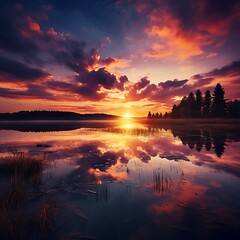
x=118, y=181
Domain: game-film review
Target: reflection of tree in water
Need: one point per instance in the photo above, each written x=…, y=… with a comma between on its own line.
x=211, y=139
x=219, y=140
x=194, y=138
x=207, y=140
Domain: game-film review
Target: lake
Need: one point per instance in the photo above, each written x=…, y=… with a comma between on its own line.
x=119, y=180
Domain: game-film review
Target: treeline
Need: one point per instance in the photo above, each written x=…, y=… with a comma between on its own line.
x=52, y=115
x=207, y=106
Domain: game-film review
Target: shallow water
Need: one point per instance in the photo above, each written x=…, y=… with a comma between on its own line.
x=119, y=181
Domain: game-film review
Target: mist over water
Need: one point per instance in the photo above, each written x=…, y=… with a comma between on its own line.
x=119, y=181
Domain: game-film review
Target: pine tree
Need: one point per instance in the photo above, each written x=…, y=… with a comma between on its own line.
x=219, y=105
x=191, y=105
x=207, y=104
x=175, y=111
x=149, y=115
x=199, y=103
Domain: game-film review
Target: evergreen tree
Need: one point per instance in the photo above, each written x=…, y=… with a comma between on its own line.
x=165, y=115
x=233, y=109
x=207, y=104
x=149, y=115
x=191, y=106
x=199, y=103
x=175, y=111
x=157, y=115
x=219, y=105
x=183, y=107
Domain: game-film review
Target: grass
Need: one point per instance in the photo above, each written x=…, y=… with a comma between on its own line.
x=21, y=172
x=21, y=165
x=47, y=215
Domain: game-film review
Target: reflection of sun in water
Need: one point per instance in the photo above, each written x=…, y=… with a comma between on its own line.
x=128, y=126
x=127, y=115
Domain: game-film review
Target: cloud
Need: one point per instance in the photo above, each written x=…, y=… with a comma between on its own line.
x=170, y=39
x=19, y=32
x=16, y=71
x=217, y=17
x=23, y=36
x=31, y=92
x=142, y=83
x=173, y=83
x=182, y=30
x=232, y=69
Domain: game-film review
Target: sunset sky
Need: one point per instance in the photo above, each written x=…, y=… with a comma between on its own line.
x=117, y=57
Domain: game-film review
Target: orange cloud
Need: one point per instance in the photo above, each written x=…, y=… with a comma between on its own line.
x=171, y=40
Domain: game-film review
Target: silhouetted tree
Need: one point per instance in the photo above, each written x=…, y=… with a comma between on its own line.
x=207, y=104
x=157, y=115
x=149, y=115
x=219, y=105
x=233, y=109
x=165, y=115
x=153, y=115
x=175, y=111
x=199, y=103
x=183, y=107
x=160, y=115
x=191, y=106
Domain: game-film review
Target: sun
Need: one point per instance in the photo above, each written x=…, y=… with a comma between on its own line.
x=127, y=115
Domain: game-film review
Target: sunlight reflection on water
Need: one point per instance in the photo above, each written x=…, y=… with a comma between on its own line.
x=168, y=181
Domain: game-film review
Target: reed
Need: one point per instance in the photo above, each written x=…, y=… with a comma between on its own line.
x=47, y=215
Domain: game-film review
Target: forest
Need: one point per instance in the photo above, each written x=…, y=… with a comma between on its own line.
x=211, y=105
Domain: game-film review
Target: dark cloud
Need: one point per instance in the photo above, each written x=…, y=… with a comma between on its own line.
x=23, y=36
x=72, y=54
x=19, y=71
x=15, y=33
x=91, y=94
x=108, y=61
x=173, y=83
x=33, y=91
x=98, y=78
x=63, y=86
x=142, y=83
x=232, y=69
x=165, y=90
x=121, y=83
x=93, y=81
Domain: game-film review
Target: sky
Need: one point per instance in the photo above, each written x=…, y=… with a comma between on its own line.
x=116, y=56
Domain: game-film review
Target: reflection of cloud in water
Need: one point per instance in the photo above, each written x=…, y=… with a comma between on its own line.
x=165, y=178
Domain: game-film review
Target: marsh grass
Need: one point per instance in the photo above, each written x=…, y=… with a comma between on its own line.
x=22, y=173
x=21, y=165
x=47, y=215
x=162, y=182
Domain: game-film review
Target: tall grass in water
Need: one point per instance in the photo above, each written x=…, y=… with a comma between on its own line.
x=21, y=172
x=20, y=165
x=47, y=216
x=162, y=182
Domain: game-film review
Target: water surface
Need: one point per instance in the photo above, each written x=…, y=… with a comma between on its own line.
x=119, y=181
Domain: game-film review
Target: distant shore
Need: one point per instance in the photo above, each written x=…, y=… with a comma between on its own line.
x=193, y=122
x=53, y=116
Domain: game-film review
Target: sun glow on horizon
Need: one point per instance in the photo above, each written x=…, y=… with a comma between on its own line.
x=127, y=115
